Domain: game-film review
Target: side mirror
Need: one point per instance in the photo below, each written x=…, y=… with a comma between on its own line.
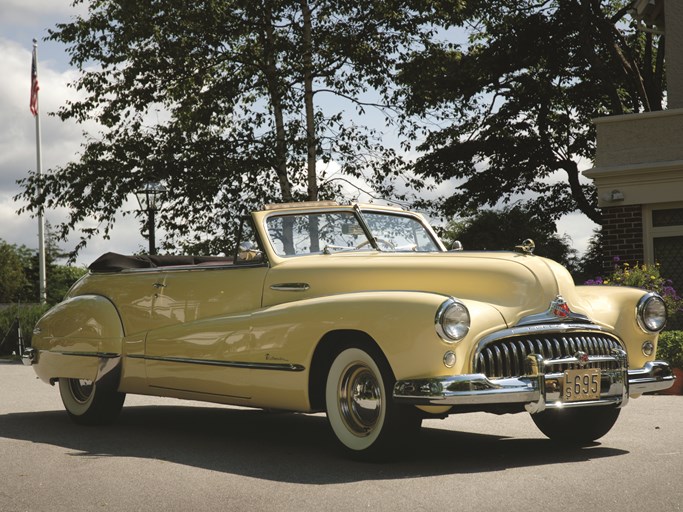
x=457, y=246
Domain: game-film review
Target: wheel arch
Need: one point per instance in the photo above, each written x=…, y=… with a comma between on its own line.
x=331, y=344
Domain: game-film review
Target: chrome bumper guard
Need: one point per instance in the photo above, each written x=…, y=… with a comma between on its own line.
x=537, y=391
x=29, y=356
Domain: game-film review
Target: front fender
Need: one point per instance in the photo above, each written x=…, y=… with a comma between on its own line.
x=402, y=323
x=614, y=307
x=76, y=338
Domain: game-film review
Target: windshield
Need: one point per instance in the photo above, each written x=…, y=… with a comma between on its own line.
x=328, y=232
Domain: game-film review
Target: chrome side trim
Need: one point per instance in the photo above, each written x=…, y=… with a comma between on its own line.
x=287, y=367
x=290, y=287
x=30, y=355
x=109, y=363
x=105, y=355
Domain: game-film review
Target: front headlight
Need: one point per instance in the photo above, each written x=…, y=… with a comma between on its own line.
x=452, y=320
x=651, y=313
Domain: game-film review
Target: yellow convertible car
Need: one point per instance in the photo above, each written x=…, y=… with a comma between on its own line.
x=361, y=312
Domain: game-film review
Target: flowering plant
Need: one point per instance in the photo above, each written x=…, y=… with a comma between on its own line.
x=670, y=348
x=646, y=277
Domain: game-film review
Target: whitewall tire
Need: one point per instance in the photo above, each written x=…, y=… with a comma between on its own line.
x=359, y=407
x=90, y=403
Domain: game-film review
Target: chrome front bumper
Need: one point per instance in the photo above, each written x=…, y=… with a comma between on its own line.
x=536, y=392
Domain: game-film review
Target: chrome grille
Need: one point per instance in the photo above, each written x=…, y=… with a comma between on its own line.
x=507, y=357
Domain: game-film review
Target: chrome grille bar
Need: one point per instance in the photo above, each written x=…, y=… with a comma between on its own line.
x=505, y=357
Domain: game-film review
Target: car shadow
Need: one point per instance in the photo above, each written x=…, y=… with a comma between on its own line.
x=283, y=447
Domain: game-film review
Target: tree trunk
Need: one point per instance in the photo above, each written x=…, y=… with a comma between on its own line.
x=311, y=142
x=275, y=92
x=582, y=202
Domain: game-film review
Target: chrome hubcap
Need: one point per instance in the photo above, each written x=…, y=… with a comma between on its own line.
x=81, y=389
x=360, y=399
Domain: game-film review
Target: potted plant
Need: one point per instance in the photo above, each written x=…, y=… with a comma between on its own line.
x=670, y=349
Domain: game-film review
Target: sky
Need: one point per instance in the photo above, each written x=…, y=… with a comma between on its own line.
x=20, y=22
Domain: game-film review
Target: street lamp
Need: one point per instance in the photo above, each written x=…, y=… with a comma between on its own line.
x=149, y=202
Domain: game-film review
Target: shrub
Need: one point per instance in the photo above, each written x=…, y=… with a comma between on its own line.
x=670, y=348
x=646, y=277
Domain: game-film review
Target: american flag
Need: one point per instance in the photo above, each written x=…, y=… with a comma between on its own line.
x=34, y=84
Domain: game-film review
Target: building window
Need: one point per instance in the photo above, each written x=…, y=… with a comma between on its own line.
x=668, y=252
x=667, y=217
x=664, y=240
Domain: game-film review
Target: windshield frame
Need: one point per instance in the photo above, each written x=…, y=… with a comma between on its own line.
x=358, y=211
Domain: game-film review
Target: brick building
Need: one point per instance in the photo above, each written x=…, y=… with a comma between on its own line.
x=638, y=168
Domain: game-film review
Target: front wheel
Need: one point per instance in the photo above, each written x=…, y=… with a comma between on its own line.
x=90, y=403
x=579, y=426
x=359, y=408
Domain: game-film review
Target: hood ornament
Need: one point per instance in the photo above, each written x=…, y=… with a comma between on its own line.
x=527, y=246
x=558, y=311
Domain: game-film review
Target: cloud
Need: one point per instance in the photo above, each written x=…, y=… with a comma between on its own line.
x=61, y=142
x=32, y=13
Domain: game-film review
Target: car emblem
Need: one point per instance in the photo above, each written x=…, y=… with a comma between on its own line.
x=582, y=358
x=559, y=307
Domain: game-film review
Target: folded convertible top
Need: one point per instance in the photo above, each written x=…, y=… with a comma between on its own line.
x=114, y=262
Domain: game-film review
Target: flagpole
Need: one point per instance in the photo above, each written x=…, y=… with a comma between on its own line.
x=39, y=170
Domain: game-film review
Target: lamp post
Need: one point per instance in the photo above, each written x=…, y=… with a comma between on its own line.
x=147, y=197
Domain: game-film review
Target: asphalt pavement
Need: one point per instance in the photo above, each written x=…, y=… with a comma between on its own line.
x=173, y=455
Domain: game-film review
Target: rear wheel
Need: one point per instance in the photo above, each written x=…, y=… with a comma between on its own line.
x=361, y=413
x=577, y=426
x=90, y=403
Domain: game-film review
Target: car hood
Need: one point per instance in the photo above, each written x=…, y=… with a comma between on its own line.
x=517, y=285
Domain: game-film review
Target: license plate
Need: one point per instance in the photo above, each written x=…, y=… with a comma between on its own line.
x=581, y=385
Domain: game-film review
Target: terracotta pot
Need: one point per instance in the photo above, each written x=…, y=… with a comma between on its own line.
x=677, y=388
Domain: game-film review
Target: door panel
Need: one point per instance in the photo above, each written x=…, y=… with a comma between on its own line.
x=207, y=340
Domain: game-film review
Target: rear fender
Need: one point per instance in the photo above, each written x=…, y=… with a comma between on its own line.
x=80, y=338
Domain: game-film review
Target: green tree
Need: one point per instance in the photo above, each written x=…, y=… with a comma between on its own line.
x=224, y=101
x=13, y=282
x=513, y=108
x=496, y=230
x=19, y=275
x=59, y=278
x=592, y=264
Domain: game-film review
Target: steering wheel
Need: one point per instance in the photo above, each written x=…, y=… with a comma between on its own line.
x=380, y=241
